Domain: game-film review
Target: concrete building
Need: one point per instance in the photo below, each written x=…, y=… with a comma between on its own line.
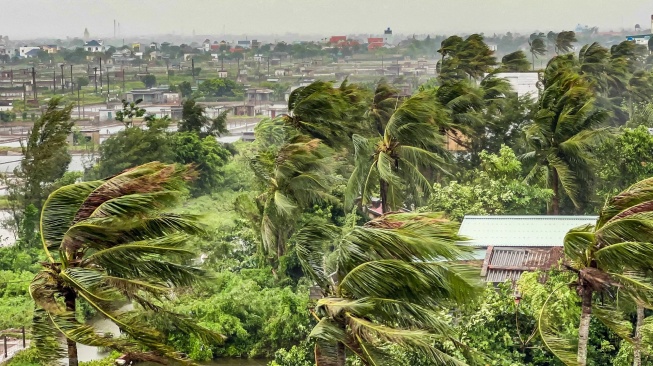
x=524, y=83
x=94, y=46
x=154, y=96
x=22, y=51
x=258, y=95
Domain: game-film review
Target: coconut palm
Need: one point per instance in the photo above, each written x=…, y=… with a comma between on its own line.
x=613, y=256
x=565, y=127
x=106, y=243
x=564, y=42
x=514, y=62
x=292, y=179
x=319, y=110
x=411, y=143
x=384, y=284
x=537, y=47
x=384, y=102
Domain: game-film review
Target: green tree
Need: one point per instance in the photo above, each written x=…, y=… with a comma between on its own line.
x=205, y=155
x=515, y=62
x=132, y=147
x=194, y=119
x=395, y=164
x=383, y=104
x=383, y=284
x=114, y=243
x=537, y=48
x=219, y=88
x=564, y=41
x=149, y=80
x=497, y=188
x=565, y=127
x=615, y=253
x=129, y=111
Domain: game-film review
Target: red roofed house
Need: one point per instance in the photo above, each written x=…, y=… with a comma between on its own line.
x=337, y=39
x=374, y=43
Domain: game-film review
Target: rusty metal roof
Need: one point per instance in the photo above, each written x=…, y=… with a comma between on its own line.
x=520, y=231
x=508, y=263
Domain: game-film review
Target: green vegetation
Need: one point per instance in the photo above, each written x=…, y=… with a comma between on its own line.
x=272, y=249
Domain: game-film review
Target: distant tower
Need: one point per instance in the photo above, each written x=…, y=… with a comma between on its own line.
x=87, y=36
x=387, y=36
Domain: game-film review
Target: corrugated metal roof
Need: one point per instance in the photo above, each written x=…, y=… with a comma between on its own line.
x=520, y=231
x=509, y=263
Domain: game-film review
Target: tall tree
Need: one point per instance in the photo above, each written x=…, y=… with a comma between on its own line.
x=411, y=143
x=565, y=127
x=614, y=254
x=194, y=119
x=384, y=102
x=384, y=285
x=537, y=48
x=514, y=62
x=564, y=41
x=112, y=241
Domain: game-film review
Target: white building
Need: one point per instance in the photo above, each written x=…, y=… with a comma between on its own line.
x=522, y=82
x=22, y=51
x=94, y=46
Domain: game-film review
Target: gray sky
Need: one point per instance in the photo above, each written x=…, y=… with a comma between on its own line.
x=23, y=19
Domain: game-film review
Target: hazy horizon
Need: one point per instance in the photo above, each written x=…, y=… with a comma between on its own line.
x=310, y=18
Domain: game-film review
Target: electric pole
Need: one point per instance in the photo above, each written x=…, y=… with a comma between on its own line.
x=72, y=90
x=192, y=63
x=34, y=84
x=95, y=78
x=100, y=72
x=63, y=80
x=54, y=81
x=108, y=90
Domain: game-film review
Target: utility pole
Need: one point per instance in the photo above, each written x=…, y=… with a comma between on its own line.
x=95, y=78
x=122, y=69
x=100, y=73
x=268, y=66
x=168, y=71
x=72, y=90
x=192, y=63
x=34, y=83
x=79, y=116
x=63, y=80
x=11, y=76
x=54, y=81
x=108, y=90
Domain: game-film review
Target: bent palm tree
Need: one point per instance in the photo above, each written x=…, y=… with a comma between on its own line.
x=537, y=47
x=612, y=256
x=565, y=127
x=293, y=180
x=411, y=144
x=389, y=279
x=384, y=102
x=108, y=242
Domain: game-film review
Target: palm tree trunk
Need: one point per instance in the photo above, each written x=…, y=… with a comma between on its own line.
x=584, y=328
x=637, y=353
x=324, y=359
x=555, y=185
x=533, y=60
x=70, y=300
x=383, y=192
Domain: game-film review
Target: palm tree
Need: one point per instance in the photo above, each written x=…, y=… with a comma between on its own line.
x=411, y=143
x=537, y=47
x=384, y=102
x=318, y=110
x=292, y=179
x=564, y=41
x=514, y=62
x=109, y=242
x=613, y=256
x=194, y=120
x=384, y=284
x=565, y=127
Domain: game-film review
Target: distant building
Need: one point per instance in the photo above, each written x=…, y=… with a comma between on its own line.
x=282, y=72
x=258, y=95
x=23, y=51
x=206, y=45
x=334, y=40
x=50, y=48
x=374, y=43
x=524, y=83
x=153, y=96
x=387, y=37
x=245, y=44
x=87, y=35
x=512, y=245
x=640, y=38
x=94, y=46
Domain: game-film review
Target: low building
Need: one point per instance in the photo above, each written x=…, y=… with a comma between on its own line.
x=153, y=96
x=94, y=46
x=22, y=51
x=282, y=72
x=50, y=48
x=524, y=83
x=258, y=95
x=642, y=39
x=512, y=245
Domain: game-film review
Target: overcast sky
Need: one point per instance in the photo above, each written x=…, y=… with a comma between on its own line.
x=23, y=19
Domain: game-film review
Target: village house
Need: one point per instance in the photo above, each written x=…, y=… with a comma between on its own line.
x=94, y=46
x=282, y=72
x=51, y=48
x=512, y=245
x=24, y=50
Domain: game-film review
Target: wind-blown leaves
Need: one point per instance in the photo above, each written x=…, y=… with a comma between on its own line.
x=115, y=243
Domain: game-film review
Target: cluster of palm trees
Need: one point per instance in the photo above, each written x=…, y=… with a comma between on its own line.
x=92, y=232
